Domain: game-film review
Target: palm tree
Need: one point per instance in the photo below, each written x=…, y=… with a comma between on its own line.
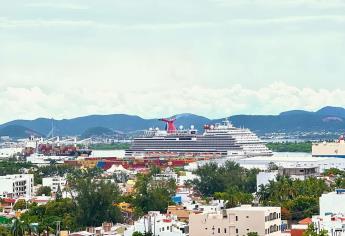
x=30, y=228
x=18, y=228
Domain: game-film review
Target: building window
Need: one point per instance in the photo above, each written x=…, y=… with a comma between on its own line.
x=247, y=217
x=219, y=230
x=236, y=231
x=236, y=218
x=224, y=230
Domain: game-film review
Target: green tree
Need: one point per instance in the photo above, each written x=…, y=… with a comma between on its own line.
x=154, y=170
x=12, y=167
x=252, y=234
x=152, y=195
x=58, y=195
x=136, y=233
x=334, y=172
x=272, y=166
x=4, y=231
x=47, y=215
x=311, y=231
x=290, y=147
x=94, y=202
x=299, y=198
x=18, y=228
x=44, y=190
x=21, y=204
x=213, y=179
x=234, y=197
x=303, y=207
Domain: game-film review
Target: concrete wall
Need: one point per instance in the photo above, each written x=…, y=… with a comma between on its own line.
x=332, y=203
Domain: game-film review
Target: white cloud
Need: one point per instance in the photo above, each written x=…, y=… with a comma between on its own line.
x=36, y=23
x=34, y=102
x=158, y=58
x=56, y=4
x=313, y=3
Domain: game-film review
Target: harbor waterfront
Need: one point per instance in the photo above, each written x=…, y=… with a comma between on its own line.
x=172, y=118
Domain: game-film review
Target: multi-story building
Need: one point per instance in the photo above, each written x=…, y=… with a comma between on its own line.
x=300, y=172
x=294, y=172
x=14, y=186
x=54, y=182
x=159, y=225
x=333, y=224
x=238, y=221
x=333, y=202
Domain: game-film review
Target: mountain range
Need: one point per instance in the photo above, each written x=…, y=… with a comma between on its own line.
x=329, y=118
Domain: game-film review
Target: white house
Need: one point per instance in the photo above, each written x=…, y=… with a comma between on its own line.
x=54, y=182
x=158, y=224
x=334, y=224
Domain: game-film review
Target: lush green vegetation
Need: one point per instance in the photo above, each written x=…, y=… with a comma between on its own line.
x=152, y=194
x=229, y=182
x=111, y=146
x=4, y=231
x=93, y=200
x=93, y=197
x=290, y=147
x=214, y=178
x=20, y=205
x=49, y=171
x=44, y=190
x=312, y=231
x=91, y=206
x=298, y=199
x=12, y=167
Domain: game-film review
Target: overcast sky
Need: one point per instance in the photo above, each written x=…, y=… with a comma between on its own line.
x=153, y=58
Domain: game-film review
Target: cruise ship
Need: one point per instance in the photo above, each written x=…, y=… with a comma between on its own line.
x=217, y=141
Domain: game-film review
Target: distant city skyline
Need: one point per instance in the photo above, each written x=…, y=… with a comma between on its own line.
x=215, y=58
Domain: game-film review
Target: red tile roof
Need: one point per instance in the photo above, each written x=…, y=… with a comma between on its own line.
x=306, y=221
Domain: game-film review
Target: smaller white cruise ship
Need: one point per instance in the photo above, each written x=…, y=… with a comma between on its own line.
x=251, y=144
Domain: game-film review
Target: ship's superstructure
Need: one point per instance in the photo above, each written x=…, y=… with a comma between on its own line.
x=251, y=144
x=220, y=140
x=329, y=149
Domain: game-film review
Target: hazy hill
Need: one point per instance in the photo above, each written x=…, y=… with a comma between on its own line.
x=17, y=131
x=96, y=131
x=325, y=119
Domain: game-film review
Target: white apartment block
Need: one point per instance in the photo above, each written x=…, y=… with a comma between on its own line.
x=237, y=221
x=333, y=202
x=334, y=224
x=54, y=182
x=159, y=224
x=14, y=186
